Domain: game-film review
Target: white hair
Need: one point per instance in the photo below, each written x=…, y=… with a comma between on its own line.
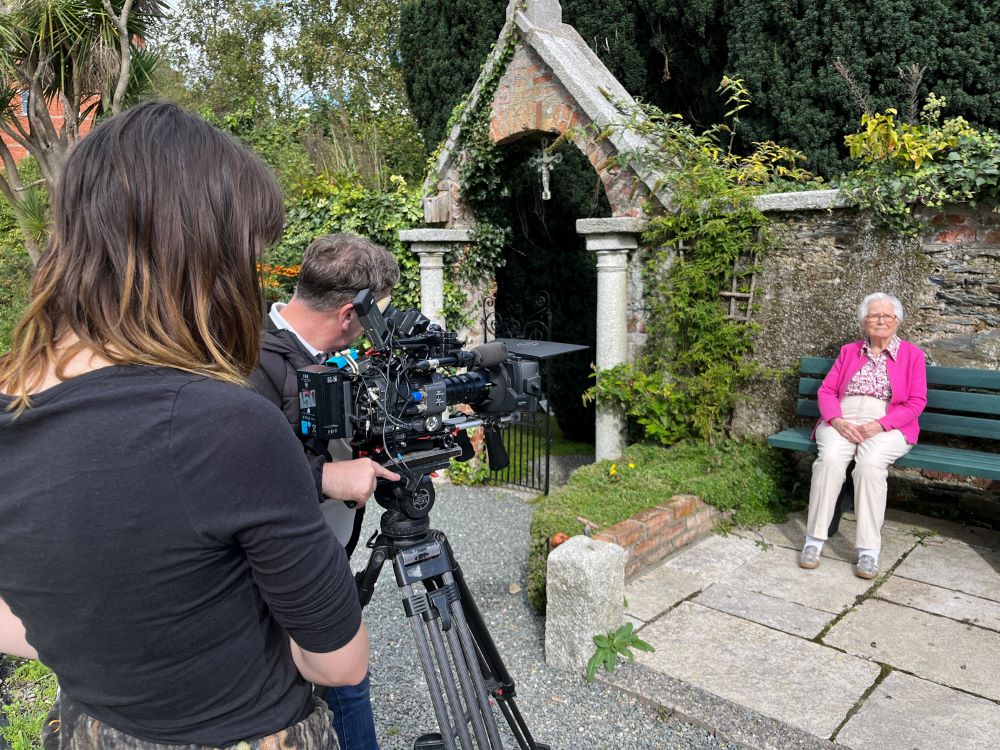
x=897, y=306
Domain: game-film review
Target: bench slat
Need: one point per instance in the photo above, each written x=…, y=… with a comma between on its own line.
x=951, y=424
x=934, y=457
x=965, y=377
x=816, y=366
x=974, y=403
x=961, y=377
x=946, y=424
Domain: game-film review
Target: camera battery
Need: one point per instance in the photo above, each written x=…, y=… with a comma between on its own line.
x=324, y=402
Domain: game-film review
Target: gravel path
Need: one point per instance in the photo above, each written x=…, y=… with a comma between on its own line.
x=488, y=530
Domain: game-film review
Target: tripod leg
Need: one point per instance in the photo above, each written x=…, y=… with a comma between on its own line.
x=466, y=662
x=460, y=712
x=434, y=687
x=494, y=671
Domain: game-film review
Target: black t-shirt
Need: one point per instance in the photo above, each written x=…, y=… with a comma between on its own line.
x=160, y=538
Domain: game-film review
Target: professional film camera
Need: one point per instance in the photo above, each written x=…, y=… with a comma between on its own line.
x=393, y=404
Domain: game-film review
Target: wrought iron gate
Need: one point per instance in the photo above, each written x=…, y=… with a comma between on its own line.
x=528, y=436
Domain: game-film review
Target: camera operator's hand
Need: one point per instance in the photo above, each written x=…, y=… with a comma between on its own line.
x=354, y=481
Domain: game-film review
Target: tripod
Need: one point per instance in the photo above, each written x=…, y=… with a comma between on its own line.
x=459, y=658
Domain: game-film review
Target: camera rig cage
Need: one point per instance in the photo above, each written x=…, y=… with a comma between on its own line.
x=393, y=402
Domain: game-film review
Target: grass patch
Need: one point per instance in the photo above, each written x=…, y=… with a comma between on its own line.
x=563, y=446
x=745, y=477
x=30, y=691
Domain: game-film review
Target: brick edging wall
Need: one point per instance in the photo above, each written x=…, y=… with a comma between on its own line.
x=654, y=533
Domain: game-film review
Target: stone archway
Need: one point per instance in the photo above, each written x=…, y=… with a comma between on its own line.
x=555, y=84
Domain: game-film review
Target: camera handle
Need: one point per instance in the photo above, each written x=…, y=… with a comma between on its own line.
x=460, y=660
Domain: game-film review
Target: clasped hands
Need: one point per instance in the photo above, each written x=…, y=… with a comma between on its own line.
x=856, y=433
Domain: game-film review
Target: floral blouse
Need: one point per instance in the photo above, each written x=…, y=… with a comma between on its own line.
x=873, y=379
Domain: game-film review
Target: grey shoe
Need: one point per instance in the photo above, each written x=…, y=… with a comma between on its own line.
x=809, y=558
x=866, y=567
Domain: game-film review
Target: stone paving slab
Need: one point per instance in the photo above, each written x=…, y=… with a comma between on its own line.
x=776, y=613
x=658, y=589
x=972, y=535
x=757, y=667
x=790, y=534
x=955, y=565
x=951, y=604
x=905, y=712
x=935, y=648
x=832, y=587
x=728, y=721
x=714, y=556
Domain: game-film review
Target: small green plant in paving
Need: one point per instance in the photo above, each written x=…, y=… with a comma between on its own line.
x=923, y=535
x=32, y=690
x=611, y=646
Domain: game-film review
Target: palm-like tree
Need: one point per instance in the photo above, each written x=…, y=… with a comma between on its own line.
x=77, y=59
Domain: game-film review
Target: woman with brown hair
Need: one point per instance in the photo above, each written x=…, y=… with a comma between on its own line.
x=161, y=548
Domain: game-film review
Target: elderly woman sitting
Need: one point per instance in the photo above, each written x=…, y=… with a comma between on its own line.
x=869, y=403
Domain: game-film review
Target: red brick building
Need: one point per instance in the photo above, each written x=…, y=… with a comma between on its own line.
x=57, y=114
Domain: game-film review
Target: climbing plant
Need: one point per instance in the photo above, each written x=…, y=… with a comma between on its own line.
x=482, y=179
x=687, y=378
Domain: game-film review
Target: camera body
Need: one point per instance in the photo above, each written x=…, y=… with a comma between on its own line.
x=392, y=403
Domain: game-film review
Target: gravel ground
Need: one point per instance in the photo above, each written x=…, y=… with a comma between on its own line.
x=488, y=530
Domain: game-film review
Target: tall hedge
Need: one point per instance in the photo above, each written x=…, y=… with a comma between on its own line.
x=443, y=44
x=785, y=51
x=674, y=55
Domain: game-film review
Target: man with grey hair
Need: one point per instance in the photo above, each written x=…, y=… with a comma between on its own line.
x=319, y=320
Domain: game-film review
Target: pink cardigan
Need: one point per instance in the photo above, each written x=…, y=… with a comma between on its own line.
x=907, y=376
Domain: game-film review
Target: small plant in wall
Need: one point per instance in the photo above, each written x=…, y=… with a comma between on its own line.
x=612, y=646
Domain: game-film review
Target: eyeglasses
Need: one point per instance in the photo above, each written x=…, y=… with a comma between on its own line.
x=880, y=317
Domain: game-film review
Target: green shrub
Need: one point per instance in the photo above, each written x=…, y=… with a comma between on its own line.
x=748, y=479
x=15, y=273
x=929, y=163
x=31, y=691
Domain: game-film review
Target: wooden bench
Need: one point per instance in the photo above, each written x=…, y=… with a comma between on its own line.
x=961, y=402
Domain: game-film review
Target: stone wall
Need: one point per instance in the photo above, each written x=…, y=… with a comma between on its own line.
x=827, y=260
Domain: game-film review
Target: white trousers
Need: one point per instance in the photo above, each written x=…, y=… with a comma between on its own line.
x=872, y=459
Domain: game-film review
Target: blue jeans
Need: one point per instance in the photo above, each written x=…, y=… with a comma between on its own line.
x=352, y=716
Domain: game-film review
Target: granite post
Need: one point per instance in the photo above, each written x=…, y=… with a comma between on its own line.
x=585, y=594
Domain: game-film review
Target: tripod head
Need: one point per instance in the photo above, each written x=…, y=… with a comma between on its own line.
x=408, y=502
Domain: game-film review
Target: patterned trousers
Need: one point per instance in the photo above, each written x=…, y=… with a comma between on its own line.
x=68, y=728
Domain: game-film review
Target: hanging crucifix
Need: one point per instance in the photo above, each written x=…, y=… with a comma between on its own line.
x=543, y=161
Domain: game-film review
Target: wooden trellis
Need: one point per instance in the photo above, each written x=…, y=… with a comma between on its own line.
x=741, y=302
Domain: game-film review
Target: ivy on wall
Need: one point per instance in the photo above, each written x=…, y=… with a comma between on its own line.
x=687, y=378
x=482, y=180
